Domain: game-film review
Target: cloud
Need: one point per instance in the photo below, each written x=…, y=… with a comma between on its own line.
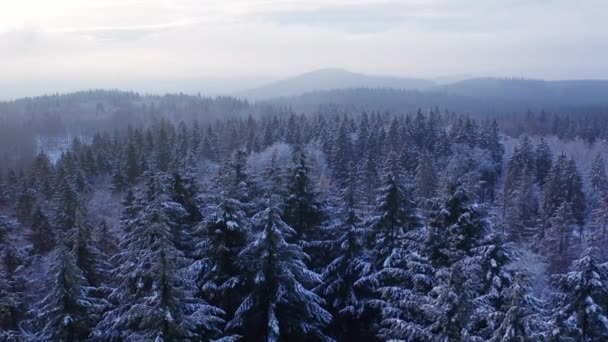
x=130, y=33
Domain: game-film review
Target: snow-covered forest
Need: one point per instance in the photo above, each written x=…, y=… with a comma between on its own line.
x=267, y=225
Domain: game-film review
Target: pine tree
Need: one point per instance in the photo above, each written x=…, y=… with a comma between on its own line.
x=278, y=305
x=66, y=313
x=581, y=298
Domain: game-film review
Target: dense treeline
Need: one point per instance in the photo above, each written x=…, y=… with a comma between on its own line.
x=304, y=228
x=30, y=125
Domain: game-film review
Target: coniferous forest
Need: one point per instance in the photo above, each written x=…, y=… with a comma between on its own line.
x=182, y=218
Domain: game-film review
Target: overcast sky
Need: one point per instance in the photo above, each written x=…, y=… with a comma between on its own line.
x=126, y=40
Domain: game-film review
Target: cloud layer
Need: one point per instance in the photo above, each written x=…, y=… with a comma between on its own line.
x=117, y=40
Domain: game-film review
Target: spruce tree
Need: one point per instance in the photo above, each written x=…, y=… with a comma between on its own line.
x=88, y=258
x=345, y=269
x=302, y=212
x=66, y=313
x=581, y=298
x=223, y=236
x=154, y=300
x=522, y=321
x=598, y=178
x=43, y=237
x=279, y=304
x=544, y=161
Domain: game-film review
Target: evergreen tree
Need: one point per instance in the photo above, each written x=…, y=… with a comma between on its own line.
x=394, y=215
x=597, y=176
x=132, y=169
x=523, y=321
x=106, y=241
x=154, y=301
x=341, y=156
x=66, y=313
x=88, y=258
x=279, y=305
x=302, y=212
x=66, y=204
x=370, y=177
x=493, y=259
x=521, y=215
x=343, y=271
x=456, y=231
x=224, y=235
x=581, y=298
x=25, y=203
x=426, y=177
x=544, y=161
x=43, y=237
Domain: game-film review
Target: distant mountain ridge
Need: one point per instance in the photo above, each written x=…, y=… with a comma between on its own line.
x=570, y=92
x=330, y=79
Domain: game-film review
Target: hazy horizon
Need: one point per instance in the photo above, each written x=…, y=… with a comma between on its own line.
x=112, y=43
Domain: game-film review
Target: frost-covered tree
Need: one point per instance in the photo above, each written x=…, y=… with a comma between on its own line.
x=302, y=210
x=581, y=298
x=348, y=266
x=599, y=225
x=521, y=213
x=522, y=322
x=278, y=304
x=223, y=236
x=66, y=313
x=87, y=256
x=10, y=301
x=493, y=258
x=394, y=215
x=404, y=282
x=341, y=155
x=154, y=299
x=456, y=231
x=597, y=177
x=65, y=205
x=426, y=177
x=370, y=177
x=543, y=162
